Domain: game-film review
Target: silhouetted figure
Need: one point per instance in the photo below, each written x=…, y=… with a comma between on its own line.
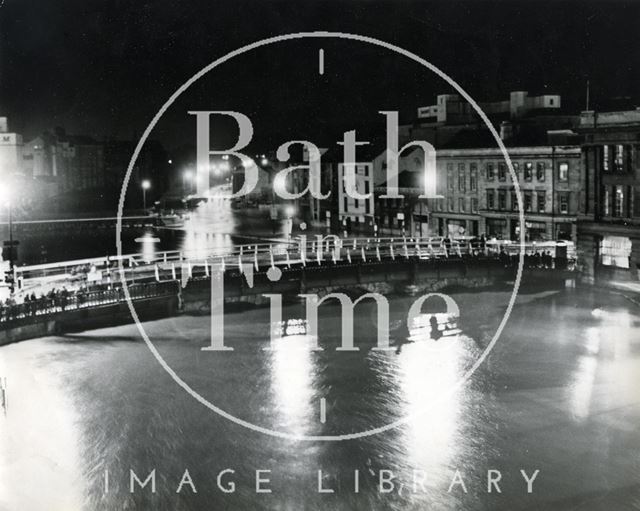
x=435, y=331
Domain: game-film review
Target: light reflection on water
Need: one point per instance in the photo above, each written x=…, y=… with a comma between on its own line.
x=292, y=374
x=128, y=413
x=428, y=369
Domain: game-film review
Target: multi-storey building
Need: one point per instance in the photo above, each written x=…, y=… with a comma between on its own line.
x=352, y=211
x=609, y=212
x=480, y=195
x=409, y=214
x=439, y=124
x=77, y=162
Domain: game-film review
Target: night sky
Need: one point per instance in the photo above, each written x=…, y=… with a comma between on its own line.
x=103, y=68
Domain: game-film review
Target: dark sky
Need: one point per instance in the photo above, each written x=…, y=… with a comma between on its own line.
x=104, y=67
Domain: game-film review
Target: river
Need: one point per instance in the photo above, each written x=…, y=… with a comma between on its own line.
x=211, y=226
x=559, y=393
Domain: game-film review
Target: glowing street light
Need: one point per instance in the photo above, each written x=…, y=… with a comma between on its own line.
x=264, y=162
x=289, y=211
x=146, y=184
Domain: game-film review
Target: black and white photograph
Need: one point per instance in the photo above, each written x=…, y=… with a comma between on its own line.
x=320, y=255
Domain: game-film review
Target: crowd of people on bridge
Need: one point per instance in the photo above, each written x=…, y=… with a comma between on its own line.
x=53, y=301
x=533, y=259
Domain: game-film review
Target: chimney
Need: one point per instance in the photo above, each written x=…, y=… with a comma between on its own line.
x=506, y=130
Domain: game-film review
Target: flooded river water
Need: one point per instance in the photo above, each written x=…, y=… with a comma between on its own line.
x=559, y=393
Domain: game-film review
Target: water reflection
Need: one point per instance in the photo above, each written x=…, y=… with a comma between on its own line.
x=434, y=326
x=292, y=374
x=599, y=351
x=125, y=412
x=427, y=370
x=208, y=229
x=148, y=242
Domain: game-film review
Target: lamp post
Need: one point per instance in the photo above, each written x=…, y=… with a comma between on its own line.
x=146, y=184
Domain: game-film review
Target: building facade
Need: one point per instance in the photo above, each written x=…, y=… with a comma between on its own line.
x=609, y=213
x=356, y=213
x=479, y=194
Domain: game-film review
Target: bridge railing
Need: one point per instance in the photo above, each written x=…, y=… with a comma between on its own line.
x=68, y=300
x=153, y=276
x=302, y=250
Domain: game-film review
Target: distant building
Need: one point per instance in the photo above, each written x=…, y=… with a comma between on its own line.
x=609, y=212
x=10, y=150
x=76, y=162
x=63, y=165
x=452, y=109
x=38, y=157
x=370, y=165
x=408, y=215
x=442, y=123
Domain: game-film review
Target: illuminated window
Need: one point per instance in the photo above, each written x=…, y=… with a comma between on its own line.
x=605, y=158
x=615, y=251
x=618, y=202
x=528, y=171
x=563, y=171
x=618, y=159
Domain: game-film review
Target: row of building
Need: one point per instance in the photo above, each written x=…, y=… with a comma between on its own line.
x=578, y=174
x=62, y=172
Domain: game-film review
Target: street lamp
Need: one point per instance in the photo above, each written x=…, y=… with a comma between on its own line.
x=146, y=184
x=289, y=210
